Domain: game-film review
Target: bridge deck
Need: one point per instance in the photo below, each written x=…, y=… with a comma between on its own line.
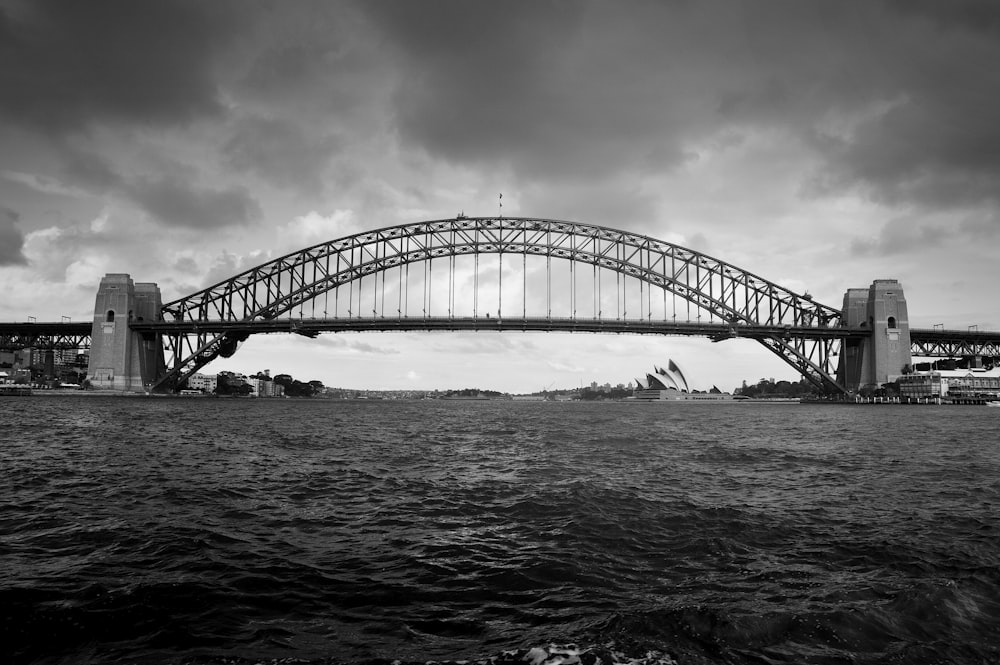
x=49, y=335
x=313, y=327
x=47, y=328
x=76, y=334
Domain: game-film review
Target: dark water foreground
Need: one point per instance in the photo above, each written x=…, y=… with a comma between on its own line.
x=211, y=531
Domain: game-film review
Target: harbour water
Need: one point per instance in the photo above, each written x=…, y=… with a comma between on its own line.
x=210, y=531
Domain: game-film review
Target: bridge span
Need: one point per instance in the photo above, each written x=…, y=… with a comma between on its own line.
x=924, y=342
x=313, y=327
x=499, y=274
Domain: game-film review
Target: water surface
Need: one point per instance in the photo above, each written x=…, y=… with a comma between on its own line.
x=199, y=530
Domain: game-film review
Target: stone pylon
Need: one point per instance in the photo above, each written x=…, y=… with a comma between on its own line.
x=885, y=355
x=121, y=359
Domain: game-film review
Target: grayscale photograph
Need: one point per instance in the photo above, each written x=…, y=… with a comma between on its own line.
x=481, y=332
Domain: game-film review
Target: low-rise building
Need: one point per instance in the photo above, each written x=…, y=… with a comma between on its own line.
x=975, y=384
x=265, y=387
x=953, y=384
x=922, y=385
x=203, y=382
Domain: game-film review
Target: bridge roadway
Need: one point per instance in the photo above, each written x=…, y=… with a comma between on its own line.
x=313, y=327
x=50, y=335
x=75, y=335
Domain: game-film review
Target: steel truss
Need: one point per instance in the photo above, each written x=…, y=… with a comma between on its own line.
x=735, y=296
x=16, y=336
x=954, y=344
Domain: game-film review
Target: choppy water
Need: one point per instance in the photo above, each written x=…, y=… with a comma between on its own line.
x=200, y=530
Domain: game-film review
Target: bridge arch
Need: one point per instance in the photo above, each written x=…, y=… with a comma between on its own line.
x=264, y=293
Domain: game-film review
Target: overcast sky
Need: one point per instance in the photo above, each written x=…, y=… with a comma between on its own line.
x=819, y=144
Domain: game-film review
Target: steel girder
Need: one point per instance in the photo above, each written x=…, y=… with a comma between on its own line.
x=954, y=343
x=62, y=335
x=716, y=287
x=312, y=327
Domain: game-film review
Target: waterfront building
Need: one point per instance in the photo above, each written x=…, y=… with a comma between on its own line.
x=960, y=384
x=203, y=382
x=264, y=387
x=922, y=385
x=973, y=384
x=668, y=378
x=15, y=375
x=668, y=384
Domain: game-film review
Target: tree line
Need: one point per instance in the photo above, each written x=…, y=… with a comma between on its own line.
x=230, y=383
x=772, y=388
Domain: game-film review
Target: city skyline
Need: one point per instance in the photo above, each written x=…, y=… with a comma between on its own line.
x=821, y=146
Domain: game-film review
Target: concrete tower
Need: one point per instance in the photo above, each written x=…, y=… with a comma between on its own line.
x=121, y=359
x=882, y=357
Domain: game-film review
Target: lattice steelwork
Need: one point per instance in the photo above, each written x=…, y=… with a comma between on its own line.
x=16, y=336
x=609, y=271
x=954, y=344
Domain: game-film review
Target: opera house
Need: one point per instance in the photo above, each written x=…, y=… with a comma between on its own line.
x=668, y=384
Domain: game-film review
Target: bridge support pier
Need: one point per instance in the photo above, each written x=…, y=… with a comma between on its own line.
x=121, y=359
x=885, y=355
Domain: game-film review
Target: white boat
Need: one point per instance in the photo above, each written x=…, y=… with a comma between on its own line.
x=993, y=404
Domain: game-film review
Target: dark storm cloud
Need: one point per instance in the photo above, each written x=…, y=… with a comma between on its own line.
x=316, y=58
x=11, y=239
x=65, y=64
x=488, y=82
x=898, y=236
x=894, y=99
x=940, y=151
x=577, y=91
x=615, y=203
x=176, y=199
x=182, y=203
x=88, y=171
x=938, y=142
x=280, y=152
x=980, y=16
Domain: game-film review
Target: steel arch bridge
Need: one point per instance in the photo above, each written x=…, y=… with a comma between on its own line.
x=572, y=276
